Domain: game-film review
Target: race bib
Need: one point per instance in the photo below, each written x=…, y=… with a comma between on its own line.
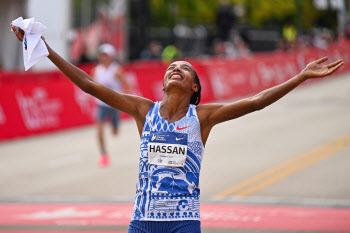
x=167, y=148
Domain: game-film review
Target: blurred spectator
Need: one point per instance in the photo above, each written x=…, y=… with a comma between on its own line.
x=170, y=53
x=234, y=48
x=242, y=48
x=319, y=37
x=225, y=19
x=302, y=42
x=219, y=48
x=289, y=33
x=230, y=49
x=84, y=58
x=347, y=29
x=154, y=51
x=322, y=38
x=282, y=45
x=342, y=37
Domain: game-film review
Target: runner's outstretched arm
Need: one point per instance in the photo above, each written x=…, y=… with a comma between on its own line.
x=212, y=114
x=133, y=105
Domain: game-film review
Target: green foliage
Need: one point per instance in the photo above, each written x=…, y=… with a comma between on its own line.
x=169, y=12
x=258, y=13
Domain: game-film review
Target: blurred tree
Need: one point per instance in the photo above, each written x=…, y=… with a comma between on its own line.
x=164, y=13
x=300, y=13
x=259, y=12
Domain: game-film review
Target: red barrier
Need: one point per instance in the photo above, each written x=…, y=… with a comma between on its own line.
x=35, y=107
x=32, y=103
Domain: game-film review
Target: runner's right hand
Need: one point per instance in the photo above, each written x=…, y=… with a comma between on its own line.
x=19, y=33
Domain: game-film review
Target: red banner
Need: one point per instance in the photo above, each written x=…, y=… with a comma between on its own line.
x=41, y=105
x=32, y=103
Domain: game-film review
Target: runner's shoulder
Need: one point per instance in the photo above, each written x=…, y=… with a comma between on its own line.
x=205, y=110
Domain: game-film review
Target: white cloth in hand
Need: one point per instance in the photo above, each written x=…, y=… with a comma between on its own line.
x=34, y=48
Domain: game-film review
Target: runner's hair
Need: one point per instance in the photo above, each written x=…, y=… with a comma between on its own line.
x=196, y=97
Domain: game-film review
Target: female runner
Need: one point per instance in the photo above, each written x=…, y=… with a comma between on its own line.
x=173, y=135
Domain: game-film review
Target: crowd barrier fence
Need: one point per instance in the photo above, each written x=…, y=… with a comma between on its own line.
x=38, y=102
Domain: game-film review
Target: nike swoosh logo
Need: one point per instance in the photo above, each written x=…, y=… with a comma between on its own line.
x=178, y=128
x=177, y=139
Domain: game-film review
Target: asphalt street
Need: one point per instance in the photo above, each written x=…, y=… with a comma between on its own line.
x=295, y=152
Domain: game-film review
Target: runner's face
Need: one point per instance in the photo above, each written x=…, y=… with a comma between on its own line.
x=180, y=73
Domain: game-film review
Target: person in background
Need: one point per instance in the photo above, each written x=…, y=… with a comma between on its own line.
x=154, y=51
x=109, y=73
x=290, y=34
x=225, y=19
x=171, y=53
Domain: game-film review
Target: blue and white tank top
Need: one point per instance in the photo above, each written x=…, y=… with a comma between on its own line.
x=170, y=162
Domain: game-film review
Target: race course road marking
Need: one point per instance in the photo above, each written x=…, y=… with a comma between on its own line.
x=272, y=175
x=69, y=216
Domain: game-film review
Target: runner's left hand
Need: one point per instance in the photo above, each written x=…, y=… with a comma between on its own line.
x=317, y=70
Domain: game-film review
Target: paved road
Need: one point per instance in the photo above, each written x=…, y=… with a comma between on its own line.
x=295, y=152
